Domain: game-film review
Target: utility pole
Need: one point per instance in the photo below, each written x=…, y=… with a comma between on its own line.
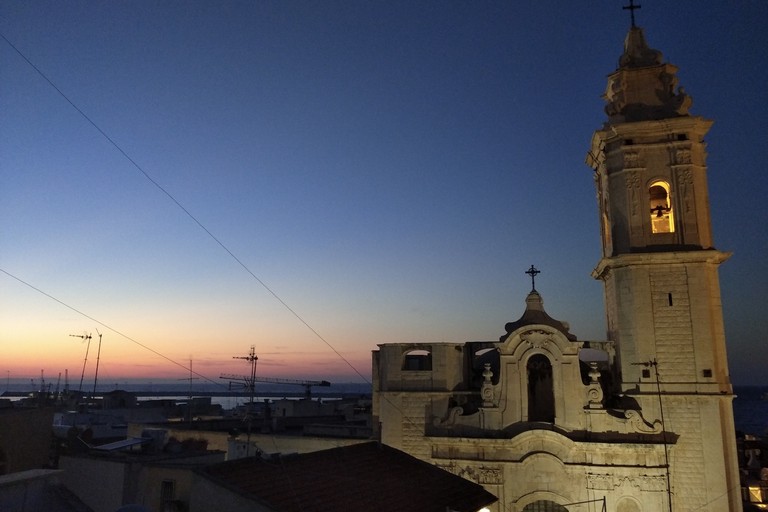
x=653, y=363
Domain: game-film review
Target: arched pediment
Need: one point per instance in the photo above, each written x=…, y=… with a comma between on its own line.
x=539, y=443
x=538, y=338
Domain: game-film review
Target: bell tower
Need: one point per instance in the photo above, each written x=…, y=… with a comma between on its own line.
x=659, y=268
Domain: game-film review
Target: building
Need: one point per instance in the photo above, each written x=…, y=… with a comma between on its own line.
x=366, y=476
x=25, y=439
x=134, y=473
x=649, y=425
x=37, y=489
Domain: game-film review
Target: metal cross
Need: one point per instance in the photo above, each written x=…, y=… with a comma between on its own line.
x=533, y=271
x=631, y=8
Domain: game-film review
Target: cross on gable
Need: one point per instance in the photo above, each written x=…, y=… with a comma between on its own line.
x=631, y=8
x=533, y=272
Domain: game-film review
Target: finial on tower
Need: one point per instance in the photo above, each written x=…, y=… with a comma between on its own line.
x=533, y=272
x=631, y=8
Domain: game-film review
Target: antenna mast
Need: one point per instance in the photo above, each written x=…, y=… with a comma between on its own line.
x=189, y=398
x=98, y=355
x=250, y=383
x=84, y=337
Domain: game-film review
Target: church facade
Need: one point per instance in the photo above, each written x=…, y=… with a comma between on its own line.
x=649, y=425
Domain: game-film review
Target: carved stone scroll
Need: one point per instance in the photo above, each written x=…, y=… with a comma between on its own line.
x=637, y=422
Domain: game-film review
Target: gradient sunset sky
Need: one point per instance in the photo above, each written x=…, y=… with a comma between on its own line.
x=316, y=178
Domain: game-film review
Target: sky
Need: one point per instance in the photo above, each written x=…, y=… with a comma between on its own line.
x=315, y=178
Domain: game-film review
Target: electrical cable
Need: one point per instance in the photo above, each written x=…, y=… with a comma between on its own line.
x=185, y=210
x=142, y=345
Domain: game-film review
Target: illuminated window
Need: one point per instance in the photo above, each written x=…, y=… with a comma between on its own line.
x=662, y=219
x=418, y=360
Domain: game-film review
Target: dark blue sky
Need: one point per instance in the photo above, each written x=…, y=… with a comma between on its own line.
x=388, y=169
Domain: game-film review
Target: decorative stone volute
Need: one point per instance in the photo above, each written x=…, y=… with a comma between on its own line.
x=594, y=389
x=486, y=389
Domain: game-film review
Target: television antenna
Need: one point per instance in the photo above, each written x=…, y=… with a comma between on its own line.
x=98, y=355
x=87, y=338
x=189, y=397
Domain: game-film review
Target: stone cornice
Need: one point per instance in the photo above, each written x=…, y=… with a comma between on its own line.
x=710, y=256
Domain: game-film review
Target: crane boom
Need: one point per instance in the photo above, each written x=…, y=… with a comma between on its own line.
x=250, y=381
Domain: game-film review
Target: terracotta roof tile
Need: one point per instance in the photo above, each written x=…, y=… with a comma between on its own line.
x=366, y=476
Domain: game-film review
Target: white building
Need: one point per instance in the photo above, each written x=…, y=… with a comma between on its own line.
x=651, y=427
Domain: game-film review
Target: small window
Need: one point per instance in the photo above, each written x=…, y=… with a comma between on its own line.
x=662, y=220
x=167, y=492
x=707, y=373
x=418, y=360
x=646, y=373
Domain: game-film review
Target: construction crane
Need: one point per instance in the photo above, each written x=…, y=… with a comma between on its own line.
x=249, y=383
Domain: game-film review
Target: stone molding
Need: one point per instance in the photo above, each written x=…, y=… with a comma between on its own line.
x=610, y=482
x=478, y=474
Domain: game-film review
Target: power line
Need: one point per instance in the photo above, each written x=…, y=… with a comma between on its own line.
x=142, y=345
x=187, y=212
x=201, y=226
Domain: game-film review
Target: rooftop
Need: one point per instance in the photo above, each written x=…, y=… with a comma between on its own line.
x=366, y=476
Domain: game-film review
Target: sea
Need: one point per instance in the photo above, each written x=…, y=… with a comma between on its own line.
x=750, y=406
x=750, y=410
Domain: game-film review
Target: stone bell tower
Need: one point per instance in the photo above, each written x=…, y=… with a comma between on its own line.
x=660, y=272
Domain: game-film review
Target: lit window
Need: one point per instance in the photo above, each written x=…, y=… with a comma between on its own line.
x=662, y=219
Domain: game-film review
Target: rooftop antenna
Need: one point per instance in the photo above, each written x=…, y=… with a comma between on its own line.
x=84, y=337
x=98, y=355
x=250, y=383
x=189, y=397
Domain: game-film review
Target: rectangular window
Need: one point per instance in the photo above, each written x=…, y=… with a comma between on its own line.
x=167, y=492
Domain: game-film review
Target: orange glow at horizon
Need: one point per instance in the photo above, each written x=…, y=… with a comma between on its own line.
x=119, y=360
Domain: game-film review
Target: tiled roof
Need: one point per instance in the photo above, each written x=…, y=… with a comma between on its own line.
x=363, y=477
